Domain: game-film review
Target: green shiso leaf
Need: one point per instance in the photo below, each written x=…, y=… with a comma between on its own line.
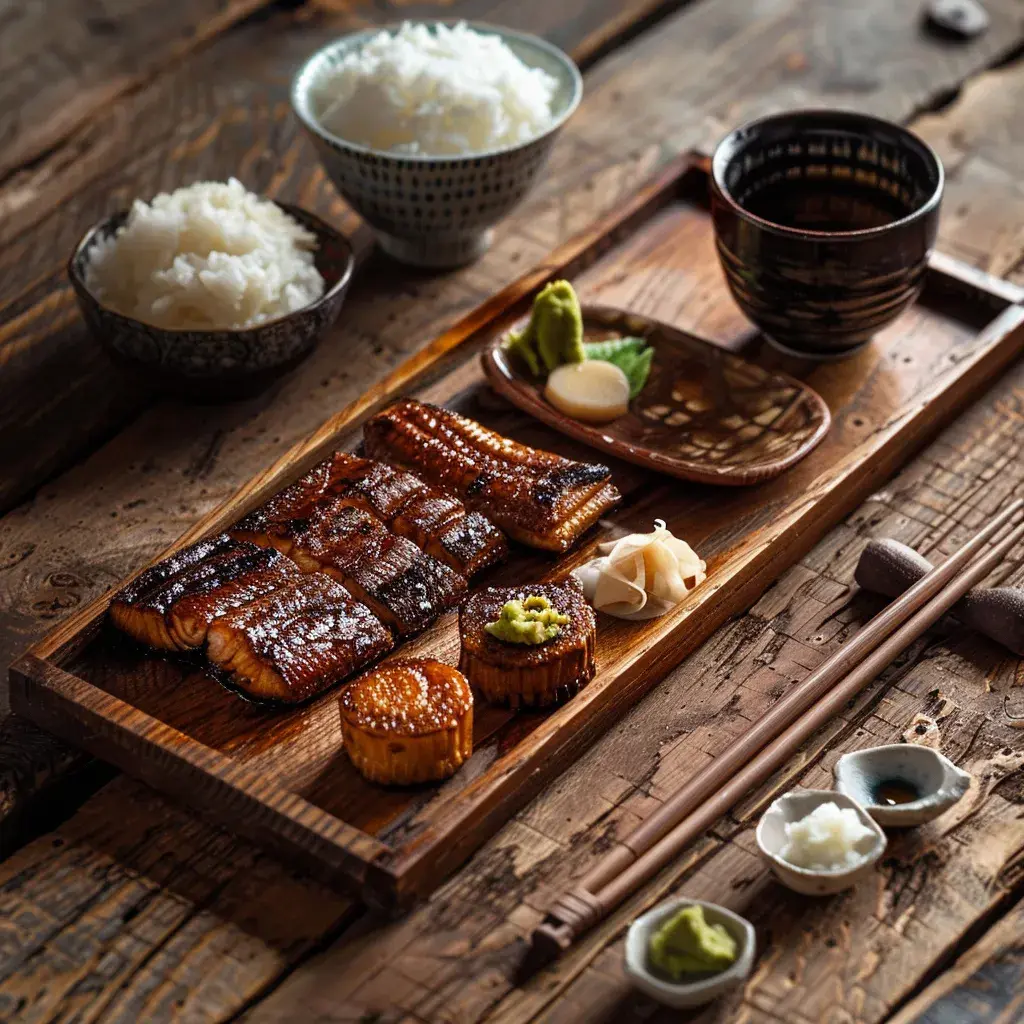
x=633, y=356
x=607, y=351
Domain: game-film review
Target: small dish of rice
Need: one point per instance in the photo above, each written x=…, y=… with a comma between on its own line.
x=210, y=291
x=210, y=256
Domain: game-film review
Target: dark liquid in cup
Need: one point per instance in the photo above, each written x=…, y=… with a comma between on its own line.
x=825, y=205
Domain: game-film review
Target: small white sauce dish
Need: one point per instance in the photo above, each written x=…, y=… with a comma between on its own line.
x=681, y=994
x=772, y=839
x=938, y=781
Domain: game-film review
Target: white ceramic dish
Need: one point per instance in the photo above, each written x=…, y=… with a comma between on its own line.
x=771, y=839
x=680, y=995
x=939, y=782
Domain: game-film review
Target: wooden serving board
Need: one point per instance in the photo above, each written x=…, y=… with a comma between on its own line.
x=282, y=778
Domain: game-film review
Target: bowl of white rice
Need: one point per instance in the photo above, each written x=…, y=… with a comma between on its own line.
x=434, y=131
x=211, y=289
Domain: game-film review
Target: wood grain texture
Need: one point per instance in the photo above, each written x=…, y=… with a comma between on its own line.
x=226, y=111
x=176, y=464
x=985, y=985
x=143, y=489
x=853, y=957
x=164, y=920
x=282, y=777
x=50, y=85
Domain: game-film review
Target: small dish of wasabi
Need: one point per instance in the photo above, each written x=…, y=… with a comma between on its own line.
x=687, y=952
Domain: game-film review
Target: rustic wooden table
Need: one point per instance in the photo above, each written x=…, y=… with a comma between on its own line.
x=118, y=905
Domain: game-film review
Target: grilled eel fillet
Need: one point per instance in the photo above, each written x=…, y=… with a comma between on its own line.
x=296, y=641
x=399, y=583
x=437, y=522
x=170, y=606
x=536, y=497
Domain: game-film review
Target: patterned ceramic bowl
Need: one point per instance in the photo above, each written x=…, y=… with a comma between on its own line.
x=427, y=210
x=824, y=221
x=217, y=364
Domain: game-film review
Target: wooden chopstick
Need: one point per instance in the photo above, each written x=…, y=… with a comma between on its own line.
x=779, y=751
x=691, y=809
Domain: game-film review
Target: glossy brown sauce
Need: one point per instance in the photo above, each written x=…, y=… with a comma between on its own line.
x=893, y=792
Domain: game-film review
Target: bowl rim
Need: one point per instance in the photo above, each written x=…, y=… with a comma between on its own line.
x=927, y=801
x=728, y=977
x=302, y=82
x=317, y=224
x=817, y=797
x=726, y=149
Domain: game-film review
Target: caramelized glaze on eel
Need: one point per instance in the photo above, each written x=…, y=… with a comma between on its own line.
x=437, y=522
x=538, y=498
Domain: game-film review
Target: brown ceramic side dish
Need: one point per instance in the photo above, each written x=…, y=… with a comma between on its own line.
x=217, y=364
x=824, y=221
x=704, y=414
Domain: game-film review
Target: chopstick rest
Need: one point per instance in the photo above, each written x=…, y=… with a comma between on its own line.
x=888, y=567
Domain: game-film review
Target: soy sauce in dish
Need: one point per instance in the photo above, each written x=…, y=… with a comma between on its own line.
x=827, y=205
x=893, y=792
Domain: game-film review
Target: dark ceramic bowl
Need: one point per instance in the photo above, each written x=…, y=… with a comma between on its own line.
x=217, y=364
x=824, y=221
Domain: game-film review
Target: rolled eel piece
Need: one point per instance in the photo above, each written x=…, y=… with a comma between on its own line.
x=536, y=497
x=141, y=607
x=536, y=675
x=409, y=720
x=399, y=583
x=294, y=643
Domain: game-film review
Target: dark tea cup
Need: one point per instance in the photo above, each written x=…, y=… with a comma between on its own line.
x=824, y=221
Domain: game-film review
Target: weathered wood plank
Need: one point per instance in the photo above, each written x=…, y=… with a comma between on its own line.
x=226, y=112
x=50, y=82
x=985, y=985
x=148, y=486
x=563, y=202
x=934, y=884
x=207, y=460
x=166, y=919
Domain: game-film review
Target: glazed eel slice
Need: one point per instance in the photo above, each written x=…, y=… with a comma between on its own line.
x=436, y=522
x=395, y=579
x=536, y=497
x=296, y=641
x=272, y=524
x=145, y=609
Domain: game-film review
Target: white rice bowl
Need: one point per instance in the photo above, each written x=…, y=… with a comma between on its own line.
x=206, y=257
x=435, y=91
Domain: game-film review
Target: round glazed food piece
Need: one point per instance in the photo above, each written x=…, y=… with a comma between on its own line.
x=535, y=675
x=407, y=721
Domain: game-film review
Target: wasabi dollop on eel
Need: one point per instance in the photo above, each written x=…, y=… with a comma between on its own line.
x=532, y=620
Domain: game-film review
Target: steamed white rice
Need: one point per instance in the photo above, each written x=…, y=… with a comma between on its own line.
x=830, y=838
x=211, y=255
x=442, y=92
